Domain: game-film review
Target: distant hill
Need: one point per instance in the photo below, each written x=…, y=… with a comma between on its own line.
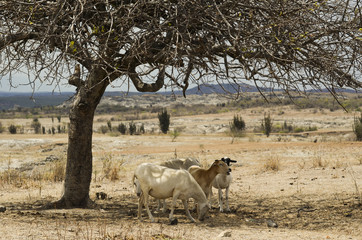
x=9, y=100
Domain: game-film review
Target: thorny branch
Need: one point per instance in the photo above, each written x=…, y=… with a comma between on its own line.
x=293, y=45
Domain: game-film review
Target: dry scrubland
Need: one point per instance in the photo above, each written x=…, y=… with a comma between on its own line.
x=308, y=183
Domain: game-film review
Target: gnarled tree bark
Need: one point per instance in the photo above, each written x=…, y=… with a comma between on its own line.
x=79, y=154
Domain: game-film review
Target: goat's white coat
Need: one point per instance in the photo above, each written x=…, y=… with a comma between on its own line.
x=222, y=181
x=181, y=163
x=162, y=182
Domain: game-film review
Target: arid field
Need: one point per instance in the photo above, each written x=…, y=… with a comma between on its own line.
x=308, y=183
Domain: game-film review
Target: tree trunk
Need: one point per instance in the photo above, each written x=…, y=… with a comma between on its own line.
x=79, y=155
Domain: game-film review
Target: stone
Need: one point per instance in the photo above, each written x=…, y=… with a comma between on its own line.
x=225, y=233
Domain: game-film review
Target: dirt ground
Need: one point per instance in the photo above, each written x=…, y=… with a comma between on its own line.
x=315, y=192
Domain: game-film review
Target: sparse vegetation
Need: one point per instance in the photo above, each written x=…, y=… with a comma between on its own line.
x=12, y=129
x=122, y=128
x=164, y=121
x=267, y=124
x=357, y=127
x=132, y=128
x=109, y=125
x=237, y=127
x=272, y=164
x=175, y=133
x=110, y=167
x=318, y=161
x=289, y=128
x=51, y=172
x=103, y=129
x=270, y=171
x=36, y=125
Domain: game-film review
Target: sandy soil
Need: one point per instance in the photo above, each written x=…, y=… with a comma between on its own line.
x=315, y=193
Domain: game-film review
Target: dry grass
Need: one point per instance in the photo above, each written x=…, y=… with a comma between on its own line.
x=272, y=164
x=111, y=167
x=319, y=162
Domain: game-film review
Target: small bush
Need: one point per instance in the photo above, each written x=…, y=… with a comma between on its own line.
x=1, y=127
x=36, y=125
x=237, y=127
x=175, y=133
x=110, y=168
x=122, y=128
x=103, y=129
x=12, y=129
x=109, y=125
x=238, y=124
x=272, y=164
x=267, y=124
x=56, y=173
x=142, y=129
x=357, y=127
x=132, y=128
x=164, y=119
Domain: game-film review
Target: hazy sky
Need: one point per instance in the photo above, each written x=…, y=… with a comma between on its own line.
x=19, y=84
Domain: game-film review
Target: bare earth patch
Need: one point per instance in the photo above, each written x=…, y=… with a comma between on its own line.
x=312, y=195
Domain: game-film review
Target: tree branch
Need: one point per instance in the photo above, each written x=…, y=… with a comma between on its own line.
x=147, y=87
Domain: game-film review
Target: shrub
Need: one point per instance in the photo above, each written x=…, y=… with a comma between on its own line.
x=175, y=133
x=109, y=125
x=238, y=124
x=142, y=128
x=164, y=119
x=110, y=167
x=132, y=128
x=56, y=172
x=36, y=125
x=1, y=127
x=103, y=129
x=122, y=128
x=12, y=129
x=267, y=124
x=357, y=127
x=272, y=164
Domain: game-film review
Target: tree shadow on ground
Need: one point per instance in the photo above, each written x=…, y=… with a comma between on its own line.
x=287, y=212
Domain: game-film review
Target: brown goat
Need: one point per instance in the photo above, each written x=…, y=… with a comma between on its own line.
x=205, y=177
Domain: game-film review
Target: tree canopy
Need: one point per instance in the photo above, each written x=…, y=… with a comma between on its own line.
x=293, y=45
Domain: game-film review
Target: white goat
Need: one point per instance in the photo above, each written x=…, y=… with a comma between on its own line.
x=204, y=177
x=162, y=182
x=223, y=181
x=181, y=163
x=174, y=164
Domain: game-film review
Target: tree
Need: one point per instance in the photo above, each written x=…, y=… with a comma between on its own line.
x=267, y=124
x=357, y=127
x=132, y=128
x=237, y=127
x=292, y=45
x=36, y=125
x=12, y=129
x=122, y=128
x=164, y=121
x=238, y=124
